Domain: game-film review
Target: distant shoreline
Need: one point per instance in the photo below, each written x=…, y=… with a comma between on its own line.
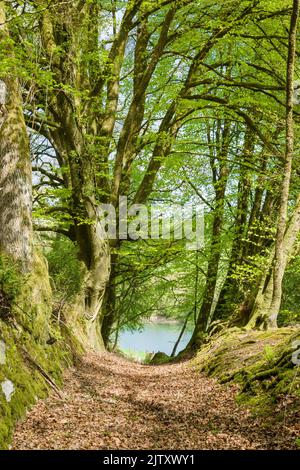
x=158, y=319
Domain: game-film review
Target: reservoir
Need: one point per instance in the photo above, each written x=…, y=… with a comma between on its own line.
x=153, y=337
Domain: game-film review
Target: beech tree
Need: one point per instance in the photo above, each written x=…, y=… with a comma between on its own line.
x=15, y=170
x=78, y=112
x=281, y=254
x=161, y=101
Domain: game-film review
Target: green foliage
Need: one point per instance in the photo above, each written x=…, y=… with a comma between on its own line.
x=290, y=308
x=64, y=268
x=175, y=97
x=156, y=278
x=10, y=284
x=246, y=274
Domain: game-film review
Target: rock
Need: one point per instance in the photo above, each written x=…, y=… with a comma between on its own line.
x=160, y=358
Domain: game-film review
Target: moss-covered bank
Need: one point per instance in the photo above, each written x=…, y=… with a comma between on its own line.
x=34, y=349
x=266, y=365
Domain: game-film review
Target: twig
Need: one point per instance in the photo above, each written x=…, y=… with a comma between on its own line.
x=46, y=376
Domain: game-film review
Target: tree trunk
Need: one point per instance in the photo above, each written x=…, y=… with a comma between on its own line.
x=109, y=307
x=15, y=167
x=95, y=285
x=95, y=254
x=260, y=306
x=280, y=254
x=220, y=183
x=229, y=295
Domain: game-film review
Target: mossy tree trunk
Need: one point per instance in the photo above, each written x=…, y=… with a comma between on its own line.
x=80, y=108
x=15, y=165
x=260, y=308
x=229, y=295
x=220, y=172
x=259, y=305
x=31, y=306
x=109, y=316
x=81, y=139
x=84, y=113
x=280, y=261
x=94, y=250
x=268, y=301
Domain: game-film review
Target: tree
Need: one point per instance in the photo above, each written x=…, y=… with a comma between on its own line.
x=96, y=144
x=266, y=306
x=281, y=260
x=157, y=101
x=15, y=170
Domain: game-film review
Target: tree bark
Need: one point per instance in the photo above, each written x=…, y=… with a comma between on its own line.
x=229, y=295
x=15, y=167
x=220, y=183
x=259, y=307
x=109, y=307
x=280, y=261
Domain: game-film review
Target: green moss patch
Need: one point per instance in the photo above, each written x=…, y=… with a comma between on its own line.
x=33, y=368
x=35, y=349
x=263, y=363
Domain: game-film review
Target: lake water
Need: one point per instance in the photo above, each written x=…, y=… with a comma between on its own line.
x=153, y=337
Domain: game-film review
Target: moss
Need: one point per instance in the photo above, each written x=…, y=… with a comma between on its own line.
x=10, y=284
x=32, y=307
x=260, y=362
x=35, y=348
x=29, y=383
x=159, y=358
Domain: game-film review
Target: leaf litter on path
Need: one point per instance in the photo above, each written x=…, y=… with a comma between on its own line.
x=111, y=403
